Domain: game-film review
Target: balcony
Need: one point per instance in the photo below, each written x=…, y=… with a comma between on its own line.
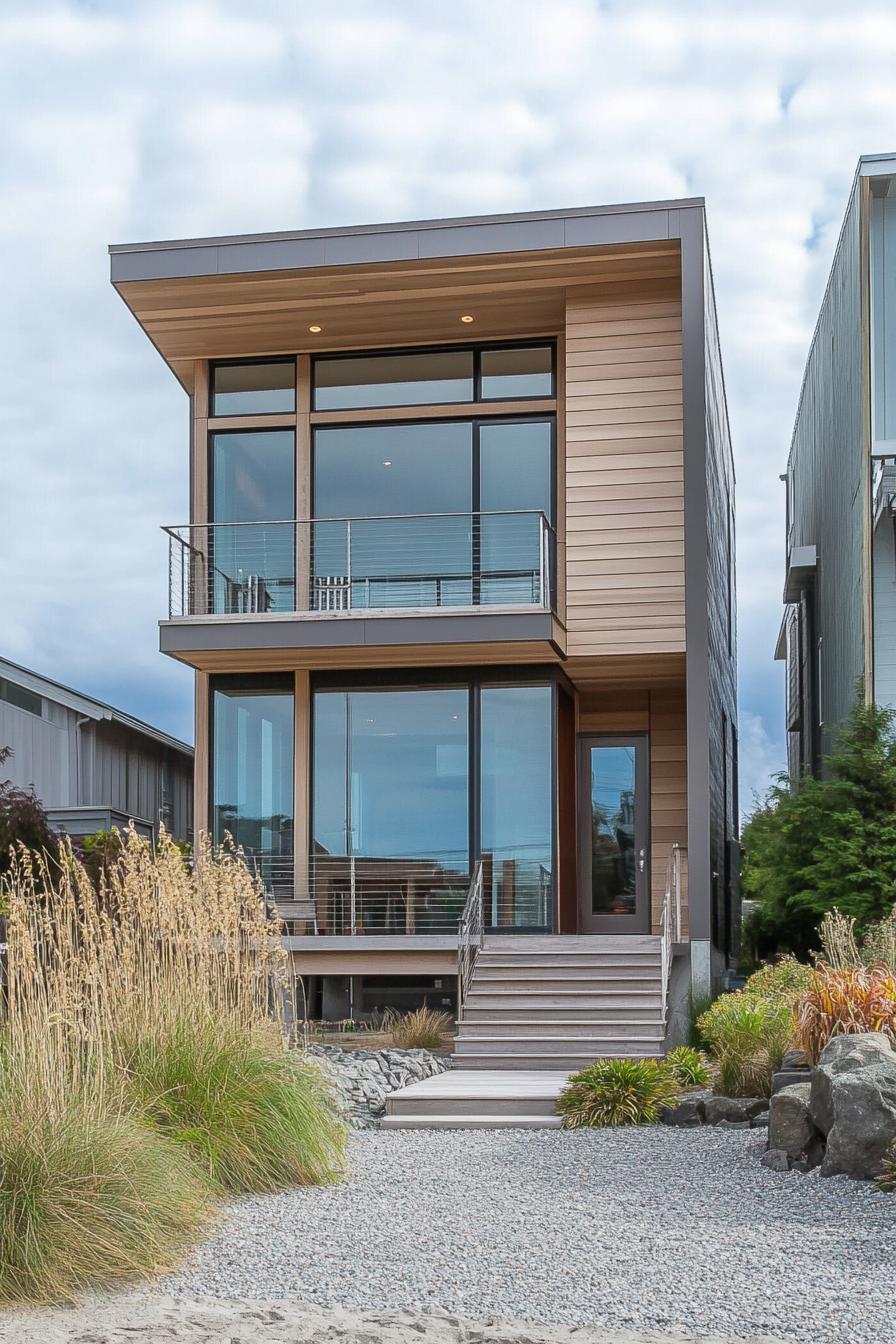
x=336, y=582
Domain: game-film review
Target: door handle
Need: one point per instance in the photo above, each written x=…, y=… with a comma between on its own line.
x=641, y=859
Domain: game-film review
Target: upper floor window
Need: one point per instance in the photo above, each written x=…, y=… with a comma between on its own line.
x=254, y=389
x=21, y=697
x=433, y=377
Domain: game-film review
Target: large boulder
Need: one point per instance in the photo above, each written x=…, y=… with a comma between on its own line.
x=844, y=1054
x=790, y=1127
x=737, y=1110
x=863, y=1104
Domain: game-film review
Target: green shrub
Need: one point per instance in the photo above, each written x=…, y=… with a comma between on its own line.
x=423, y=1029
x=887, y=1179
x=783, y=977
x=253, y=1116
x=748, y=1036
x=618, y=1092
x=88, y=1198
x=697, y=1006
x=688, y=1066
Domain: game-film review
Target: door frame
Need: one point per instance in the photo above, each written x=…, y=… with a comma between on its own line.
x=640, y=921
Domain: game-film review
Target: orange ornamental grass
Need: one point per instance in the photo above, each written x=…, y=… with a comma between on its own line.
x=845, y=1000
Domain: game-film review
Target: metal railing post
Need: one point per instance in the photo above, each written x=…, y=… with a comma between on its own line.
x=348, y=562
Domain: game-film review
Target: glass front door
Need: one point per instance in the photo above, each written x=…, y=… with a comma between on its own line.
x=614, y=895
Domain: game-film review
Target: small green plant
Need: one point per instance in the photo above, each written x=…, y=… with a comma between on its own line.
x=88, y=1197
x=618, y=1092
x=688, y=1066
x=887, y=1179
x=697, y=1006
x=748, y=1036
x=253, y=1116
x=423, y=1029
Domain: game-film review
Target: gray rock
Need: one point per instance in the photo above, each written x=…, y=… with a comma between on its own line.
x=787, y=1077
x=733, y=1124
x=790, y=1126
x=776, y=1159
x=811, y=1158
x=716, y=1109
x=759, y=1121
x=844, y=1054
x=794, y=1059
x=863, y=1105
x=686, y=1115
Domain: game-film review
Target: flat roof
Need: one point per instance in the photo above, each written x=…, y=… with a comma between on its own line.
x=413, y=240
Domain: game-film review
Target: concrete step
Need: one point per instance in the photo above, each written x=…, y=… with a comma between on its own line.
x=596, y=959
x=489, y=1027
x=520, y=982
x=471, y=1121
x=571, y=942
x=469, y=1100
x=596, y=1046
x=569, y=1062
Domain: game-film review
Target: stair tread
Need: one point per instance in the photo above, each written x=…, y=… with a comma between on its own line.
x=472, y=1121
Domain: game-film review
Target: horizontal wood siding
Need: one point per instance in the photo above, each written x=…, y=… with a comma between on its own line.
x=660, y=714
x=624, y=486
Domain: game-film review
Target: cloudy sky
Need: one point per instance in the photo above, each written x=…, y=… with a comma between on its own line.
x=122, y=122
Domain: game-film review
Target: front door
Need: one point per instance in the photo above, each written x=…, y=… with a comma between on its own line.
x=614, y=868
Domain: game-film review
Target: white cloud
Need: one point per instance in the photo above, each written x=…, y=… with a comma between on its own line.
x=159, y=118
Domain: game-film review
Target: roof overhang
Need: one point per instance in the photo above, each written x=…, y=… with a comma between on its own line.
x=387, y=284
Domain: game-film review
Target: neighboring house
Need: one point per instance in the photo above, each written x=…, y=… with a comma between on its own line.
x=91, y=766
x=839, y=626
x=458, y=588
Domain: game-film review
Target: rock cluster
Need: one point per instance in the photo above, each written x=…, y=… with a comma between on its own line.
x=702, y=1108
x=364, y=1078
x=844, y=1118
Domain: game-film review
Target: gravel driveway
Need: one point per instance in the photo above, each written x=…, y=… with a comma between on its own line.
x=659, y=1229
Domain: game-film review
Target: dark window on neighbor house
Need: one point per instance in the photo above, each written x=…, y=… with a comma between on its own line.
x=254, y=389
x=21, y=697
x=433, y=377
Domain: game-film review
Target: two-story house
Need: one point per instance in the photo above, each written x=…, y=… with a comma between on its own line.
x=458, y=590
x=839, y=628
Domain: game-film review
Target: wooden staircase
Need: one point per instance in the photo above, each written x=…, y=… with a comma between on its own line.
x=539, y=1007
x=559, y=1002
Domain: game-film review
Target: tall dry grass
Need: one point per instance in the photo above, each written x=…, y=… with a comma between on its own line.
x=151, y=1005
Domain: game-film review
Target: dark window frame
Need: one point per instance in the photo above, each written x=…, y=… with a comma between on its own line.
x=261, y=683
x=474, y=681
x=214, y=433
x=475, y=349
x=7, y=683
x=215, y=364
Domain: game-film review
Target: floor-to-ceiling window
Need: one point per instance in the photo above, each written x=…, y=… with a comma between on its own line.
x=252, y=542
x=252, y=770
x=412, y=784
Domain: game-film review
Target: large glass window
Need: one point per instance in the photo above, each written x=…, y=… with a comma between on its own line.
x=370, y=474
x=253, y=482
x=252, y=773
x=425, y=378
x=254, y=389
x=515, y=464
x=519, y=371
x=516, y=807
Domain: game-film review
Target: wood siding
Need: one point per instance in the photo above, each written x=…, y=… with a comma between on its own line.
x=624, y=470
x=660, y=714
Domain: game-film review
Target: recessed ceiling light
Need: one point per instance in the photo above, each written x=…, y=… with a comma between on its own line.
x=387, y=462
x=315, y=329
x=467, y=317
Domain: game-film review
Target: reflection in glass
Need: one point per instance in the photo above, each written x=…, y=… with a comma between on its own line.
x=253, y=479
x=613, y=858
x=517, y=373
x=372, y=473
x=252, y=775
x=393, y=380
x=390, y=819
x=254, y=389
x=517, y=814
x=514, y=475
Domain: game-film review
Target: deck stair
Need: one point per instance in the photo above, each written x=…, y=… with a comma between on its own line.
x=558, y=1002
x=538, y=1007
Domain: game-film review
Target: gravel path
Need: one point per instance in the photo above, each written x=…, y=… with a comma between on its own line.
x=658, y=1229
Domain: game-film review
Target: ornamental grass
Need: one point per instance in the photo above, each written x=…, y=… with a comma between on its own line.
x=843, y=1001
x=143, y=1036
x=423, y=1029
x=618, y=1092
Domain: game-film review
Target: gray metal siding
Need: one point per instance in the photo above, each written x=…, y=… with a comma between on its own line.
x=722, y=638
x=828, y=488
x=99, y=764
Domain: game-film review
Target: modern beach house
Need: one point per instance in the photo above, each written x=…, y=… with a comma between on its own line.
x=839, y=627
x=458, y=590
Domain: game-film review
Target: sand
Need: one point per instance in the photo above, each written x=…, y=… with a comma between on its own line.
x=150, y=1319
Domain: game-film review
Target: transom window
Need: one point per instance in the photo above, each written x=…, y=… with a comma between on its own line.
x=433, y=377
x=254, y=389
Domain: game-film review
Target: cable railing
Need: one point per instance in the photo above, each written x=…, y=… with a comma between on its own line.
x=368, y=895
x=419, y=562
x=469, y=937
x=670, y=919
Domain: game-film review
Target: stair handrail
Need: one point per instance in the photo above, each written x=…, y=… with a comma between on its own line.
x=469, y=936
x=670, y=919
